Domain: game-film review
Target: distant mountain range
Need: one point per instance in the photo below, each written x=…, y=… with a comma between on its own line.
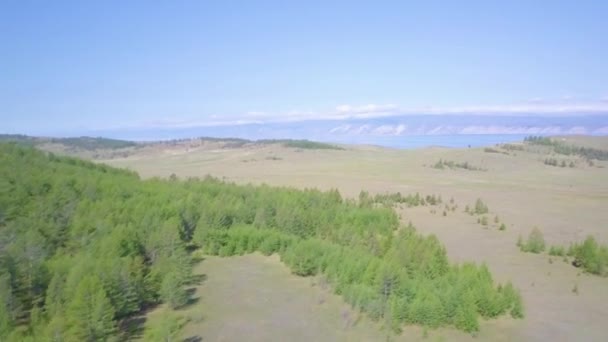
x=453, y=130
x=369, y=129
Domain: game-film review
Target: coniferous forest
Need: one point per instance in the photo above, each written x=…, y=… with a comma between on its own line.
x=84, y=247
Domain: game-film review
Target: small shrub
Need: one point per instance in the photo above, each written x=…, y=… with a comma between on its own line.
x=535, y=242
x=502, y=227
x=480, y=207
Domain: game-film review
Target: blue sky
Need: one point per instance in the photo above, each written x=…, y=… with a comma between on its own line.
x=70, y=66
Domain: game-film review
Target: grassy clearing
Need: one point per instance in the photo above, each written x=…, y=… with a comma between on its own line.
x=256, y=298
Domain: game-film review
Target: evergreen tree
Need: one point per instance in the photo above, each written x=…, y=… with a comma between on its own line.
x=90, y=314
x=172, y=290
x=7, y=319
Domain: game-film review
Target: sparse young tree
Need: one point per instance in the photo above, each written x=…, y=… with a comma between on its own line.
x=535, y=242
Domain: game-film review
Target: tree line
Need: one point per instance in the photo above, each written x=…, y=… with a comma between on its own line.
x=566, y=149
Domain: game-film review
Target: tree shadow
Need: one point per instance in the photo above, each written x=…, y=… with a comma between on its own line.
x=133, y=327
x=197, y=279
x=192, y=300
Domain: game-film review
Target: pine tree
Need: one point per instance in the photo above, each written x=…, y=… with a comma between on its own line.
x=90, y=314
x=54, y=300
x=172, y=290
x=7, y=319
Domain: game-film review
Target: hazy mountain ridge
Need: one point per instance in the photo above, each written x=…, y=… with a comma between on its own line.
x=358, y=129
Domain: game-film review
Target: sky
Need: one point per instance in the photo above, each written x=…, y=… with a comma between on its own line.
x=75, y=66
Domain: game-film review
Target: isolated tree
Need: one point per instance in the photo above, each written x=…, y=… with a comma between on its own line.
x=480, y=207
x=535, y=242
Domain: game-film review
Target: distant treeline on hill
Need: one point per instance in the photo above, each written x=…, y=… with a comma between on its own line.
x=566, y=149
x=304, y=144
x=85, y=143
x=94, y=143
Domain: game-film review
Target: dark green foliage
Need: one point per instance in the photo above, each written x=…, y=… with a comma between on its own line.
x=7, y=309
x=90, y=143
x=19, y=139
x=66, y=219
x=538, y=140
x=303, y=144
x=555, y=162
x=85, y=143
x=442, y=164
x=390, y=199
x=535, y=242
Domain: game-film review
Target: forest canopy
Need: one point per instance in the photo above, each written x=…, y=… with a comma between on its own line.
x=84, y=247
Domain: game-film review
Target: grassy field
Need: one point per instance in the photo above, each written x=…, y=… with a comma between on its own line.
x=256, y=298
x=566, y=204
